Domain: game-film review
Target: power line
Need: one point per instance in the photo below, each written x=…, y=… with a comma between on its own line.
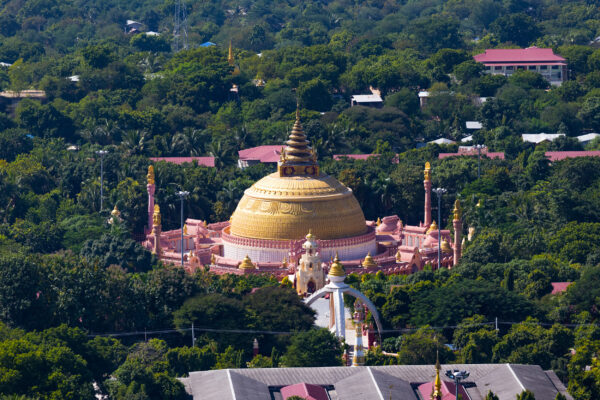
x=270, y=332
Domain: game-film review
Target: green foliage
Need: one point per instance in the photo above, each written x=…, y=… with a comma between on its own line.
x=315, y=348
x=526, y=395
x=117, y=250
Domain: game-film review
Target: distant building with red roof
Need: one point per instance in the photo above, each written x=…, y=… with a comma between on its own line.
x=561, y=155
x=472, y=151
x=338, y=157
x=543, y=61
x=560, y=287
x=305, y=391
x=205, y=161
x=258, y=155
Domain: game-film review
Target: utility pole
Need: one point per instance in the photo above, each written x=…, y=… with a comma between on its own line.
x=439, y=192
x=479, y=147
x=101, y=153
x=180, y=38
x=182, y=195
x=193, y=336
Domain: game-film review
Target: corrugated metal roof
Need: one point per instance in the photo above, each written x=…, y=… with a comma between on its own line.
x=561, y=155
x=523, y=55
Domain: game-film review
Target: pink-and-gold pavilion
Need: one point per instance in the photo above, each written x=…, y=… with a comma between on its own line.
x=267, y=231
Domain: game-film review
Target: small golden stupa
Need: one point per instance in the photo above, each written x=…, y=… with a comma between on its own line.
x=368, y=262
x=246, y=263
x=337, y=269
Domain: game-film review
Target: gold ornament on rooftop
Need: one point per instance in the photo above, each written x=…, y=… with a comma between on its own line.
x=446, y=246
x=115, y=212
x=246, y=263
x=436, y=393
x=337, y=269
x=368, y=262
x=150, y=175
x=432, y=227
x=185, y=231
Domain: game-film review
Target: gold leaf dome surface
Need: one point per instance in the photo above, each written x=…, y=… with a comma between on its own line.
x=285, y=208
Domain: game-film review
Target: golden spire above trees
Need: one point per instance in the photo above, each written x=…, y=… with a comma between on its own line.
x=368, y=262
x=427, y=171
x=457, y=210
x=433, y=227
x=230, y=58
x=298, y=149
x=437, y=384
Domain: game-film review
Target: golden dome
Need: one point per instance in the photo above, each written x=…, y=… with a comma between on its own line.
x=246, y=263
x=297, y=199
x=368, y=262
x=286, y=208
x=337, y=268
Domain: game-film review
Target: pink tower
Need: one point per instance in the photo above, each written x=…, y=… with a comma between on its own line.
x=427, y=184
x=151, y=188
x=457, y=223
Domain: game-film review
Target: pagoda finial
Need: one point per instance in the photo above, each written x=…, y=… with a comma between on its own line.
x=457, y=210
x=150, y=175
x=230, y=58
x=246, y=263
x=185, y=232
x=432, y=227
x=427, y=171
x=437, y=384
x=297, y=157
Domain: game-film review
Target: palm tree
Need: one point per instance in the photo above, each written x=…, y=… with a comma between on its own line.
x=222, y=153
x=134, y=142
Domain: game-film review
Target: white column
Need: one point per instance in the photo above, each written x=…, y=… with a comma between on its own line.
x=340, y=320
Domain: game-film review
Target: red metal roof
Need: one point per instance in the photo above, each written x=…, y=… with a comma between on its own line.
x=264, y=154
x=530, y=54
x=519, y=64
x=304, y=390
x=559, y=287
x=205, y=161
x=498, y=155
x=338, y=157
x=561, y=155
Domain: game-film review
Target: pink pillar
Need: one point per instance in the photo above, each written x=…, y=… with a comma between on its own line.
x=457, y=223
x=151, y=188
x=156, y=229
x=427, y=218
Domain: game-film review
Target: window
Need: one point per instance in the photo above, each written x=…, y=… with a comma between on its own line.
x=543, y=67
x=487, y=67
x=497, y=68
x=532, y=67
x=520, y=67
x=510, y=68
x=555, y=67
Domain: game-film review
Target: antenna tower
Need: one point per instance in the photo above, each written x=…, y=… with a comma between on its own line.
x=180, y=39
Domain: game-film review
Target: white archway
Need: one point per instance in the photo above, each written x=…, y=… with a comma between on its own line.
x=340, y=289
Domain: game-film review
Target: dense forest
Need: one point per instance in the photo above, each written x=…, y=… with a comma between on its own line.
x=68, y=278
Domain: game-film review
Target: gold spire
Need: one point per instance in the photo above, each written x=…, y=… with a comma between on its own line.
x=115, y=212
x=446, y=246
x=337, y=269
x=368, y=262
x=437, y=384
x=378, y=221
x=427, y=171
x=298, y=149
x=156, y=219
x=230, y=58
x=432, y=227
x=310, y=236
x=246, y=263
x=457, y=210
x=150, y=175
x=398, y=256
x=185, y=229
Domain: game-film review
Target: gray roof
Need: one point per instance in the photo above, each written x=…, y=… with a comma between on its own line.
x=367, y=383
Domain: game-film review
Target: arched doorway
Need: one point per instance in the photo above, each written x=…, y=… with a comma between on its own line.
x=311, y=287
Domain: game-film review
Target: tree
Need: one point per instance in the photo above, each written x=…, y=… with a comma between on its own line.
x=520, y=29
x=526, y=395
x=314, y=95
x=118, y=250
x=145, y=42
x=491, y=396
x=422, y=347
x=315, y=348
x=436, y=32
